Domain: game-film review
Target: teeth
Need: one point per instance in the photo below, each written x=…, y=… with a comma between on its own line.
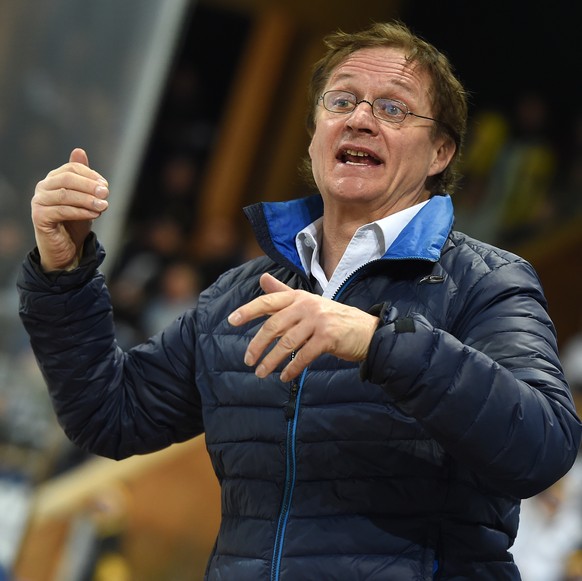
x=357, y=153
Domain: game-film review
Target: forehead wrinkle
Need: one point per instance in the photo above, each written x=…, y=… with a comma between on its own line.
x=402, y=74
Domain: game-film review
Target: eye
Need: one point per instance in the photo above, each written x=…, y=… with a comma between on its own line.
x=390, y=109
x=339, y=101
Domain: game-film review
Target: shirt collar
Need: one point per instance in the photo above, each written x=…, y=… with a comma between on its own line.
x=377, y=237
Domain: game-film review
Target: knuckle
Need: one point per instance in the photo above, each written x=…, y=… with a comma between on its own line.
x=61, y=211
x=270, y=327
x=74, y=167
x=303, y=297
x=332, y=347
x=268, y=301
x=287, y=343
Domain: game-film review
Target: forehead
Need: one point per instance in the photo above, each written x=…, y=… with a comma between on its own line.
x=381, y=69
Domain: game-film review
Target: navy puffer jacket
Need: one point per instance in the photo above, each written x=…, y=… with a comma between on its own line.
x=408, y=467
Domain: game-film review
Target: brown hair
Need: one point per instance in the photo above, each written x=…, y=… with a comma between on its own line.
x=447, y=95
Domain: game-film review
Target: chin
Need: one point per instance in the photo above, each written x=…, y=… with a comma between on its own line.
x=354, y=191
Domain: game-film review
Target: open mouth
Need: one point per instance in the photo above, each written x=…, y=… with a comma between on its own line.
x=358, y=157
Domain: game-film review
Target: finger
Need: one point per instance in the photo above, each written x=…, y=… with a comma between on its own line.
x=304, y=357
x=265, y=305
x=78, y=164
x=55, y=206
x=274, y=327
x=74, y=198
x=48, y=217
x=79, y=155
x=72, y=181
x=287, y=347
x=284, y=335
x=271, y=285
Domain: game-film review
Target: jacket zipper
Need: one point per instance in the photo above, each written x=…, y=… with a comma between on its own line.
x=290, y=470
x=340, y=289
x=354, y=274
x=292, y=404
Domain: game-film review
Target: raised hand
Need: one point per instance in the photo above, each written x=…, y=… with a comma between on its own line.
x=64, y=206
x=304, y=323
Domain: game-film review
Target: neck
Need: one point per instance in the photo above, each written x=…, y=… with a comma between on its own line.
x=334, y=241
x=341, y=221
x=338, y=229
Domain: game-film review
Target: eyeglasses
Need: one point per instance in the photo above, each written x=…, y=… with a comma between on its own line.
x=389, y=110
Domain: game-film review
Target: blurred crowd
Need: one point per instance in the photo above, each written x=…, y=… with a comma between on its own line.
x=63, y=93
x=522, y=177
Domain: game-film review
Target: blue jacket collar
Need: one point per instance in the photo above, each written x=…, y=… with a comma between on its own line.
x=277, y=223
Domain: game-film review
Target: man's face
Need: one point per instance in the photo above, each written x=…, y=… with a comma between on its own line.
x=398, y=157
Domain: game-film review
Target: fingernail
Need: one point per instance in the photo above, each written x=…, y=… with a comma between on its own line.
x=103, y=181
x=101, y=191
x=234, y=318
x=248, y=359
x=100, y=204
x=261, y=371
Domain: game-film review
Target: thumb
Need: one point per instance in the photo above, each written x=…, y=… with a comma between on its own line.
x=271, y=285
x=78, y=155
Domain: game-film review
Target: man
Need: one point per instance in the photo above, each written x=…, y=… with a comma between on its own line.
x=377, y=392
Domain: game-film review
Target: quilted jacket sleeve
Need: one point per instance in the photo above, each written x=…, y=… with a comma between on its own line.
x=109, y=402
x=493, y=395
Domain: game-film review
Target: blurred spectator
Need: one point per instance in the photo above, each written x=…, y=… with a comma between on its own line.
x=181, y=144
x=177, y=291
x=187, y=121
x=217, y=248
x=571, y=356
x=550, y=529
x=573, y=568
x=169, y=181
x=12, y=247
x=549, y=540
x=474, y=212
x=570, y=184
x=524, y=174
x=139, y=267
x=178, y=186
x=510, y=170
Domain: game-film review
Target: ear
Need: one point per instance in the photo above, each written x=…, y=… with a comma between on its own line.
x=443, y=155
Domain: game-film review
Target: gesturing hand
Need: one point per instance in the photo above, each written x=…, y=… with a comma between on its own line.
x=304, y=323
x=64, y=206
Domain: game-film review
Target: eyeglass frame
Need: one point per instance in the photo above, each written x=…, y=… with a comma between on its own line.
x=406, y=110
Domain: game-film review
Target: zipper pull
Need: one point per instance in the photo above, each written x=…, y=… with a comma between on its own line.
x=292, y=403
x=432, y=279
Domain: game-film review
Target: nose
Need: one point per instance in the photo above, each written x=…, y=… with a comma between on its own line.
x=362, y=118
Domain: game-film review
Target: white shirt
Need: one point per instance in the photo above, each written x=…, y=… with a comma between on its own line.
x=370, y=242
